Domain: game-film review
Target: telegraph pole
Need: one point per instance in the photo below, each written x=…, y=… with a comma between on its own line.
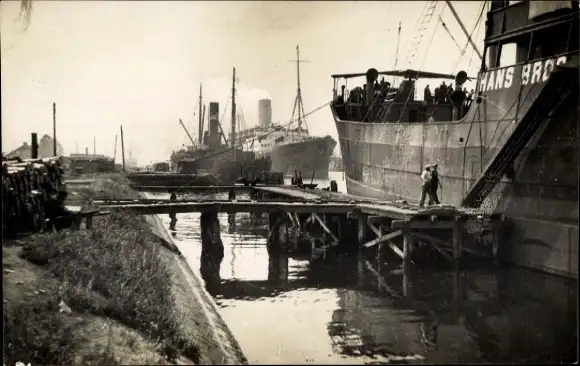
x=123, y=148
x=53, y=129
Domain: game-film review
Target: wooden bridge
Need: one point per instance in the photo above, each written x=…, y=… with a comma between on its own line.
x=378, y=223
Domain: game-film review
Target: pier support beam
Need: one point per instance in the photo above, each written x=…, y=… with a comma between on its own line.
x=212, y=251
x=408, y=246
x=277, y=267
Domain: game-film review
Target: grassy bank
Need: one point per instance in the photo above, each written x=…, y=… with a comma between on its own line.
x=98, y=296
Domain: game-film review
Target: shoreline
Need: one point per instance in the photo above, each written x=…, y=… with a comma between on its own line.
x=118, y=293
x=227, y=350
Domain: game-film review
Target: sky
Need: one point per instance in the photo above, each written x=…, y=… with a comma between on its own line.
x=139, y=64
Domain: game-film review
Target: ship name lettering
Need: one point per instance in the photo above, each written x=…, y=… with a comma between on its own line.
x=531, y=73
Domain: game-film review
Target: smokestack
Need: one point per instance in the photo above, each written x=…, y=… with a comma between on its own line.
x=264, y=112
x=34, y=146
x=53, y=129
x=86, y=151
x=214, y=136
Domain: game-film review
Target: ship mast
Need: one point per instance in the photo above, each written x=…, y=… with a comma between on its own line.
x=298, y=110
x=200, y=126
x=233, y=138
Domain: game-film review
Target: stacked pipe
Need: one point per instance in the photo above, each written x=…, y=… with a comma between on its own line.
x=32, y=192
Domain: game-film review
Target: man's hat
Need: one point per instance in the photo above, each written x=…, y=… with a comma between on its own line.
x=434, y=165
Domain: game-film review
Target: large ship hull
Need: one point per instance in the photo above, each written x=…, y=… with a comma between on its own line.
x=308, y=157
x=540, y=198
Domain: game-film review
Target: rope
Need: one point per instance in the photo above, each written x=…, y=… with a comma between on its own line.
x=237, y=145
x=422, y=62
x=462, y=53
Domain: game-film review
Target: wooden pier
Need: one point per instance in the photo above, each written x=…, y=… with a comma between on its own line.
x=397, y=225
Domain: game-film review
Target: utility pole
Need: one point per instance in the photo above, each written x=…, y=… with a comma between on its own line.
x=123, y=148
x=200, y=126
x=53, y=128
x=233, y=138
x=94, y=145
x=298, y=109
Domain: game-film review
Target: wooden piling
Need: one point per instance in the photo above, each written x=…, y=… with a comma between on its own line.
x=362, y=230
x=407, y=246
x=278, y=267
x=212, y=251
x=380, y=246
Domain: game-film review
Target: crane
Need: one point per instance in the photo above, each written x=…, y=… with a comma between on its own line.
x=187, y=132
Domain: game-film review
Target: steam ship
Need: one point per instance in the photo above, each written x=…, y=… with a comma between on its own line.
x=226, y=162
x=513, y=149
x=290, y=147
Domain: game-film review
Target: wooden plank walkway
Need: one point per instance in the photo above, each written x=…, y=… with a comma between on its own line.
x=291, y=192
x=194, y=189
x=397, y=225
x=234, y=207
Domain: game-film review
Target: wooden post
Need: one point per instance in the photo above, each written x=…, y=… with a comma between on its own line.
x=363, y=230
x=407, y=246
x=123, y=148
x=278, y=267
x=405, y=281
x=380, y=248
x=54, y=150
x=212, y=251
x=34, y=145
x=273, y=242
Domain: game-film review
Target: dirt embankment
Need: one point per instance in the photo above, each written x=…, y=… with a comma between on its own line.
x=105, y=295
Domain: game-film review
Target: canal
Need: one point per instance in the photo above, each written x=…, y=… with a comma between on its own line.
x=354, y=310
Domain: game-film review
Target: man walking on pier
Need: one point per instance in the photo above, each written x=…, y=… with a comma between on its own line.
x=426, y=185
x=435, y=184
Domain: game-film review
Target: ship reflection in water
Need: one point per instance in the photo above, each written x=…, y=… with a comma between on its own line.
x=349, y=311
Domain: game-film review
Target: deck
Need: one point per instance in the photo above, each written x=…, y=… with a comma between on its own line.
x=379, y=223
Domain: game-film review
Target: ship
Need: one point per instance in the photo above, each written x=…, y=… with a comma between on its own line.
x=290, y=147
x=511, y=148
x=213, y=155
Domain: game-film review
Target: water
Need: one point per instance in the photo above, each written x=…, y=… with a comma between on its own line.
x=353, y=310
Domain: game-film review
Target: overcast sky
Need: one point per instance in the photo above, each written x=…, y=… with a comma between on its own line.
x=139, y=64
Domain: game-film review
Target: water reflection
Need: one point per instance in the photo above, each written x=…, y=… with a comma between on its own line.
x=352, y=309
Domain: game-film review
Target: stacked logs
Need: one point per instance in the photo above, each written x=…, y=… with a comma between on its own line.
x=32, y=192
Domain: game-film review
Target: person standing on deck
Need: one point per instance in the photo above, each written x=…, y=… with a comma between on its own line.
x=427, y=97
x=426, y=185
x=172, y=215
x=435, y=184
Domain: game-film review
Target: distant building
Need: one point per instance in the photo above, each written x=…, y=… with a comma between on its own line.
x=131, y=163
x=89, y=163
x=45, y=149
